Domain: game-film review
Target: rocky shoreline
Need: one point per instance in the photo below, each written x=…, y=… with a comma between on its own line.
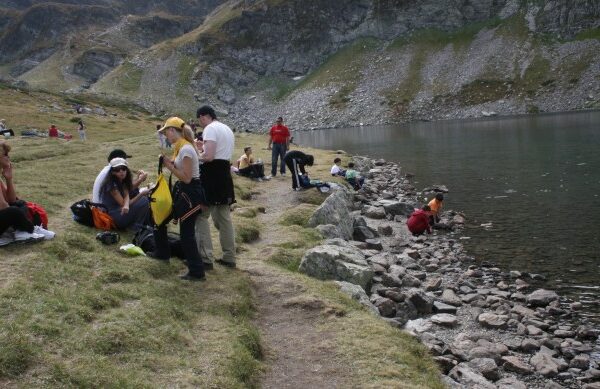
x=487, y=328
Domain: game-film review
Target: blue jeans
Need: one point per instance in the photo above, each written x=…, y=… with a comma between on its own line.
x=278, y=153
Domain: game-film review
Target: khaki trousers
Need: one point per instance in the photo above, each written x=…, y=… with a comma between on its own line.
x=221, y=216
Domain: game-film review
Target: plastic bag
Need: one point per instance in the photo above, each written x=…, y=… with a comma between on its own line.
x=131, y=249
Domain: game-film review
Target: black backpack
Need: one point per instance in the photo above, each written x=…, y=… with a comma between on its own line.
x=144, y=238
x=82, y=212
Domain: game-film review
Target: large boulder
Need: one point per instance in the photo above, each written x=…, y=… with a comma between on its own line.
x=394, y=208
x=334, y=210
x=342, y=263
x=357, y=293
x=541, y=297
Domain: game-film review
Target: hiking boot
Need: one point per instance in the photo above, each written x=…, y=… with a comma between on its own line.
x=225, y=263
x=208, y=266
x=48, y=235
x=190, y=277
x=154, y=255
x=24, y=236
x=6, y=238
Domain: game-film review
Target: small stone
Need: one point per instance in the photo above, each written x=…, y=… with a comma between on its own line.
x=385, y=230
x=533, y=330
x=530, y=345
x=564, y=334
x=492, y=320
x=510, y=383
x=486, y=367
x=449, y=297
x=541, y=297
x=468, y=377
x=581, y=361
x=544, y=364
x=433, y=283
x=374, y=244
x=514, y=364
x=444, y=319
x=440, y=307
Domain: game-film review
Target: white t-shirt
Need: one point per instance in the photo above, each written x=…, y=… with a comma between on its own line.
x=98, y=184
x=188, y=151
x=335, y=170
x=223, y=136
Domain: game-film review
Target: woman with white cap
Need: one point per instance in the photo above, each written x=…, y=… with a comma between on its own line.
x=185, y=167
x=128, y=207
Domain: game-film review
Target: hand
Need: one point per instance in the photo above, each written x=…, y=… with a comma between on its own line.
x=144, y=191
x=269, y=147
x=199, y=144
x=142, y=175
x=125, y=210
x=6, y=166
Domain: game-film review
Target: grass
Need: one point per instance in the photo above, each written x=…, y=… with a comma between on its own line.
x=590, y=33
x=298, y=215
x=185, y=70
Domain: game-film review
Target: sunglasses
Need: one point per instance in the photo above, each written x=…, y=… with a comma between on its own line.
x=119, y=169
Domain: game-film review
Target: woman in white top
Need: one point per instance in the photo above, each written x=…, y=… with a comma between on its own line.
x=185, y=167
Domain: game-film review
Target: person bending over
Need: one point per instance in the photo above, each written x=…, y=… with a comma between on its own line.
x=418, y=222
x=354, y=178
x=296, y=160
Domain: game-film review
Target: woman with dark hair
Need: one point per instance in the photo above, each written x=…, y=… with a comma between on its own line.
x=127, y=207
x=295, y=160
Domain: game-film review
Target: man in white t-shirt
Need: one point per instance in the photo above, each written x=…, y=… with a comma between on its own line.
x=217, y=148
x=101, y=177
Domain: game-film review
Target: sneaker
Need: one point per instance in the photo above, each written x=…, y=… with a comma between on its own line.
x=6, y=238
x=267, y=178
x=24, y=236
x=48, y=235
x=225, y=263
x=190, y=277
x=283, y=174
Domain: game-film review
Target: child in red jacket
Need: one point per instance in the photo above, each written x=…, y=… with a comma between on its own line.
x=418, y=222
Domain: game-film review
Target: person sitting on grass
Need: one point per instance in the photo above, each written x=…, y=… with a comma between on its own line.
x=14, y=224
x=353, y=177
x=5, y=131
x=418, y=222
x=127, y=206
x=247, y=167
x=436, y=205
x=53, y=131
x=336, y=169
x=101, y=177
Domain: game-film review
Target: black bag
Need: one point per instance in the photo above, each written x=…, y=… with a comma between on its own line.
x=187, y=199
x=144, y=238
x=82, y=212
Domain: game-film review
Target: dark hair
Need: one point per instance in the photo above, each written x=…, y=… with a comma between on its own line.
x=279, y=119
x=127, y=181
x=118, y=153
x=439, y=197
x=206, y=110
x=247, y=148
x=337, y=160
x=309, y=160
x=351, y=164
x=426, y=208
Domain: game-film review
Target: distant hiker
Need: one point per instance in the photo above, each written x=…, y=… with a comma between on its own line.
x=162, y=140
x=81, y=130
x=279, y=143
x=14, y=224
x=99, y=181
x=53, y=131
x=436, y=205
x=5, y=131
x=296, y=161
x=418, y=222
x=126, y=205
x=353, y=177
x=184, y=166
x=248, y=167
x=336, y=169
x=218, y=143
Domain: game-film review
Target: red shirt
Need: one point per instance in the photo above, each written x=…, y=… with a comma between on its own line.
x=53, y=132
x=279, y=133
x=418, y=222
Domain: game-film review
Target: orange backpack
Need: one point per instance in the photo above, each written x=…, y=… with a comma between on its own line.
x=102, y=220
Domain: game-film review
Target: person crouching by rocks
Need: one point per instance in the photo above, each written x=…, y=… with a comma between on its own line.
x=126, y=205
x=336, y=169
x=418, y=222
x=248, y=167
x=185, y=167
x=436, y=205
x=296, y=160
x=353, y=177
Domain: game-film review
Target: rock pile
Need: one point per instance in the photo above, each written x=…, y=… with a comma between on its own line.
x=485, y=327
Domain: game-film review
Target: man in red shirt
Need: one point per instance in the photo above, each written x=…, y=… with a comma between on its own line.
x=280, y=142
x=418, y=222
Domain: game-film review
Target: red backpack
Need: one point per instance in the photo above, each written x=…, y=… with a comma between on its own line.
x=37, y=214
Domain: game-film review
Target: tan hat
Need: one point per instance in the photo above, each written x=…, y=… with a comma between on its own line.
x=118, y=162
x=174, y=122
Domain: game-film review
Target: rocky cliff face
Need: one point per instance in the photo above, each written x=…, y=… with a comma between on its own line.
x=325, y=63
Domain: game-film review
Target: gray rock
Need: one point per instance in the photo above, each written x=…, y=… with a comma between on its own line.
x=486, y=367
x=357, y=293
x=433, y=283
x=581, y=361
x=410, y=281
x=330, y=262
x=445, y=363
x=544, y=364
x=492, y=320
x=564, y=334
x=534, y=331
x=334, y=210
x=510, y=383
x=449, y=297
x=329, y=231
x=362, y=233
x=541, y=297
x=440, y=307
x=374, y=212
x=467, y=376
x=418, y=326
x=530, y=345
x=385, y=230
x=422, y=302
x=374, y=244
x=523, y=311
x=444, y=319
x=512, y=363
x=398, y=208
x=391, y=280
x=386, y=307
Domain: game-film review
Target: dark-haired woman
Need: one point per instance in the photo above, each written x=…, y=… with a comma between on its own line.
x=127, y=207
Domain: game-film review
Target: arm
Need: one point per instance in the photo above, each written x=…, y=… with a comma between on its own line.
x=3, y=202
x=122, y=200
x=184, y=173
x=270, y=143
x=210, y=148
x=143, y=192
x=287, y=140
x=141, y=177
x=10, y=194
x=301, y=167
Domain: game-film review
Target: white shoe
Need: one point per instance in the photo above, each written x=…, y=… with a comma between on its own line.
x=24, y=236
x=48, y=235
x=259, y=179
x=267, y=178
x=7, y=238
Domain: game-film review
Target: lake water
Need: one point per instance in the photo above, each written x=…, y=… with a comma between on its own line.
x=534, y=179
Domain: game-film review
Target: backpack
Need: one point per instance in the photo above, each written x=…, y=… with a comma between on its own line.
x=82, y=212
x=144, y=238
x=102, y=220
x=161, y=201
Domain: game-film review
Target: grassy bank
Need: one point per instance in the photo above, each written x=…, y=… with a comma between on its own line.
x=76, y=313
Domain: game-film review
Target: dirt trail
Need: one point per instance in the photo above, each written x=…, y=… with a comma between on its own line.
x=298, y=353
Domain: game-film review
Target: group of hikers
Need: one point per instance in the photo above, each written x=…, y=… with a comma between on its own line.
x=201, y=165
x=53, y=131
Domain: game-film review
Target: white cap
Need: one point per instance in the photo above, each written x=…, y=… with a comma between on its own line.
x=118, y=162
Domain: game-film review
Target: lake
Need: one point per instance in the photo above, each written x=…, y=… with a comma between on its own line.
x=529, y=187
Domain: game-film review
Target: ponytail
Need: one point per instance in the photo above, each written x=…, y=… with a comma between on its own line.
x=187, y=133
